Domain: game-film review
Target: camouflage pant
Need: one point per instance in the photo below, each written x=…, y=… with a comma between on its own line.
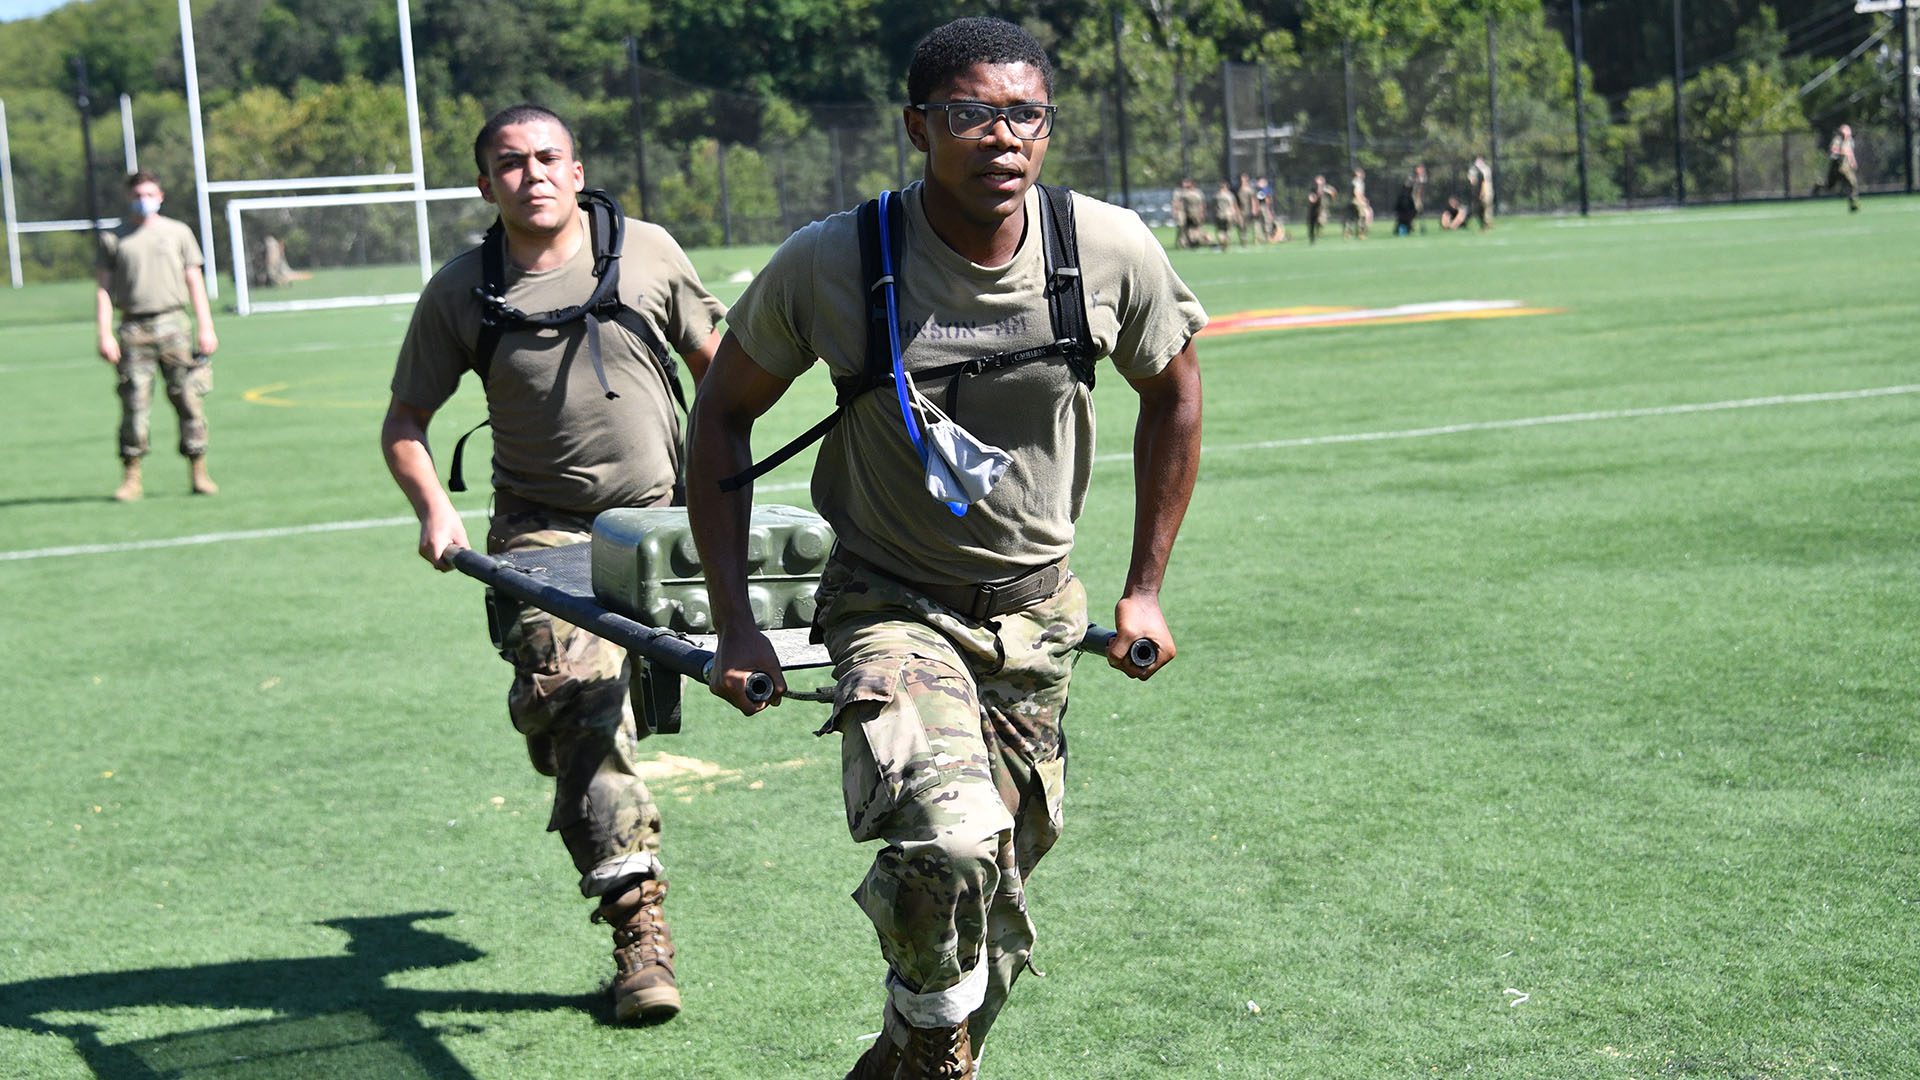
x=161, y=344
x=953, y=753
x=569, y=699
x=1842, y=178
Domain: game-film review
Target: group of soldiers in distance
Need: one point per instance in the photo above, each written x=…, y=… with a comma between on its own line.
x=1250, y=211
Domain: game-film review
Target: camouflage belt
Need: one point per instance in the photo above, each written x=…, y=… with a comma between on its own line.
x=976, y=602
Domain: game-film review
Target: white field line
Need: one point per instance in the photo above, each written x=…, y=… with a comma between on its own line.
x=1271, y=444
x=1543, y=421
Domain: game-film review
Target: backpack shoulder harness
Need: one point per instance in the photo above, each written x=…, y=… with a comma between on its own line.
x=608, y=227
x=1066, y=309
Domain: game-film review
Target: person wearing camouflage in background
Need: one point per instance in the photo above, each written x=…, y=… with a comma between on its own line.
x=953, y=634
x=571, y=439
x=1843, y=169
x=1319, y=206
x=1192, y=214
x=149, y=269
x=1480, y=192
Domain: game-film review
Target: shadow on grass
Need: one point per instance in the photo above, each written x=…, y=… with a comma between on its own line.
x=337, y=1015
x=54, y=500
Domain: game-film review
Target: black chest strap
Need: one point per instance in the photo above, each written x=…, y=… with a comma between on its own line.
x=1066, y=311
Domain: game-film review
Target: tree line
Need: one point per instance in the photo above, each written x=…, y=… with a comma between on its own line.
x=793, y=103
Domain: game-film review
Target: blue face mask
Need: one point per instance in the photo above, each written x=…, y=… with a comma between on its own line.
x=143, y=207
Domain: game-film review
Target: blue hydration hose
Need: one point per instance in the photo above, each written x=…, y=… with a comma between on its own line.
x=893, y=341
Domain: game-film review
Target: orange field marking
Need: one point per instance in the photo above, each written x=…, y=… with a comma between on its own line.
x=1300, y=318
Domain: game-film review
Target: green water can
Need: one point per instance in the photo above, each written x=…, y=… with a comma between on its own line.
x=646, y=567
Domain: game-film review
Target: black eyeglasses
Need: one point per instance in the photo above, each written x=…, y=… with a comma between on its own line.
x=972, y=120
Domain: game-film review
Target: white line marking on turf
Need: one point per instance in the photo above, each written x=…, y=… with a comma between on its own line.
x=276, y=533
x=1543, y=421
x=1272, y=444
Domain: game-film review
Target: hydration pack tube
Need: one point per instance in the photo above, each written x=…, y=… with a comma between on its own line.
x=1066, y=311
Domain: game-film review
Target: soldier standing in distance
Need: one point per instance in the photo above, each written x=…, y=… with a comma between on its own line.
x=571, y=438
x=1246, y=200
x=1195, y=205
x=1319, y=206
x=149, y=268
x=953, y=634
x=1480, y=191
x=1226, y=214
x=1843, y=169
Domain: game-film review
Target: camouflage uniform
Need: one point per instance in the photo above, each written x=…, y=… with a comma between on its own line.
x=161, y=344
x=569, y=699
x=954, y=754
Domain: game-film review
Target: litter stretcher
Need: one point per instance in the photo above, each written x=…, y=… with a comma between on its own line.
x=637, y=584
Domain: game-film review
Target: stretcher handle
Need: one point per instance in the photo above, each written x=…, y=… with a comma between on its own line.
x=662, y=647
x=1142, y=654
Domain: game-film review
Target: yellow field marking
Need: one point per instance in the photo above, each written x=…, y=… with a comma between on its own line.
x=270, y=394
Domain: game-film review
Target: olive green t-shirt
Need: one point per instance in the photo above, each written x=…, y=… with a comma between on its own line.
x=868, y=481
x=147, y=265
x=557, y=439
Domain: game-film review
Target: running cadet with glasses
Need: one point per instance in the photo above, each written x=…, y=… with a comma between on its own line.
x=562, y=313
x=948, y=607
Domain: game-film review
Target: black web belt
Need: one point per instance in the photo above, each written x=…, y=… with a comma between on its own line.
x=976, y=602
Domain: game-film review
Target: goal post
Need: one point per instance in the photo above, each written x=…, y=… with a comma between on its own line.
x=346, y=249
x=207, y=188
x=15, y=227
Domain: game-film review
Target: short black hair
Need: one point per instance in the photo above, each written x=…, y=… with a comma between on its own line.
x=951, y=49
x=523, y=113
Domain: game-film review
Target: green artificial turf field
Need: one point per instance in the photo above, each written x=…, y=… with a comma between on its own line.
x=1545, y=707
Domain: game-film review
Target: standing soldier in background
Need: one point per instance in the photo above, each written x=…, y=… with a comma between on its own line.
x=1273, y=224
x=1226, y=213
x=581, y=400
x=1195, y=207
x=1178, y=204
x=1480, y=190
x=1843, y=170
x=1359, y=210
x=1245, y=198
x=149, y=268
x=1319, y=205
x=1406, y=208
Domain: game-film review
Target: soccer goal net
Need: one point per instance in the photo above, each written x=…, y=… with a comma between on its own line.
x=357, y=249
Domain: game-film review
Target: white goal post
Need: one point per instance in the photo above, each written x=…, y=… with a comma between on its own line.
x=416, y=179
x=242, y=251
x=15, y=227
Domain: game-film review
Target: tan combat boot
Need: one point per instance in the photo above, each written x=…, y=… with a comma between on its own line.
x=880, y=1062
x=936, y=1054
x=129, y=489
x=643, y=985
x=197, y=476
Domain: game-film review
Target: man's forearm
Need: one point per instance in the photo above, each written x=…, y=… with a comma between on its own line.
x=411, y=464
x=720, y=518
x=103, y=312
x=1166, y=462
x=197, y=292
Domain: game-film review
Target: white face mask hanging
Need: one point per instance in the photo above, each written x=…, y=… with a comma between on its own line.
x=960, y=469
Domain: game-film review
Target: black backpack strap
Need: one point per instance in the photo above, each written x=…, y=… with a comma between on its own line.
x=879, y=360
x=493, y=287
x=456, y=478
x=1066, y=293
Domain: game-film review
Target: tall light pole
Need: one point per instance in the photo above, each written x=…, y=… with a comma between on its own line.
x=83, y=100
x=1120, y=108
x=1679, y=121
x=1580, y=104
